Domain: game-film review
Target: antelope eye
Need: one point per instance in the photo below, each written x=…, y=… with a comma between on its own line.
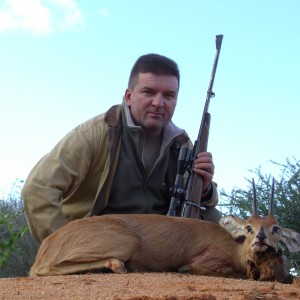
x=275, y=229
x=249, y=229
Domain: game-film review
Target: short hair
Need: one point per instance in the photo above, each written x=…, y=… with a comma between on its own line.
x=155, y=64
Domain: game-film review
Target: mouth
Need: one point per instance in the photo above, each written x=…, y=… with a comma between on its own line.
x=260, y=246
x=155, y=113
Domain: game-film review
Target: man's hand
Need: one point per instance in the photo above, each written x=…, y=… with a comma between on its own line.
x=204, y=166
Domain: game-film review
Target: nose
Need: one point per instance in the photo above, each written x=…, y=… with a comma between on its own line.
x=261, y=234
x=158, y=100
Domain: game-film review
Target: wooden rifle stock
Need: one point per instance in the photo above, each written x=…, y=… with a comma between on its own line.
x=191, y=207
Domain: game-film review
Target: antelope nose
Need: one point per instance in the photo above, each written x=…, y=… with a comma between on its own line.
x=261, y=234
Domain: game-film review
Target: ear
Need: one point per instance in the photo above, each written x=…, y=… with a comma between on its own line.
x=234, y=225
x=127, y=97
x=291, y=239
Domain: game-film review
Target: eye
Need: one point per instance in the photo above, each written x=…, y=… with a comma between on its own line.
x=169, y=96
x=147, y=92
x=275, y=229
x=248, y=229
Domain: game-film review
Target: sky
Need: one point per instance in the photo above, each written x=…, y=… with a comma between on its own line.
x=65, y=61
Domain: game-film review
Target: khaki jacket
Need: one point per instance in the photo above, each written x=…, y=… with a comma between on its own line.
x=74, y=179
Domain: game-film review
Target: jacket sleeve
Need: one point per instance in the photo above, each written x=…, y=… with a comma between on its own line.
x=53, y=178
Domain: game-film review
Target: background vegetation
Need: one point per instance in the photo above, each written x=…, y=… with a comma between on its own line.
x=18, y=249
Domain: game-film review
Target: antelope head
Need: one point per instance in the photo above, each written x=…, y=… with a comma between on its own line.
x=263, y=231
x=260, y=233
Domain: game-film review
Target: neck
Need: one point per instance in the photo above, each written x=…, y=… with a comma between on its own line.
x=152, y=133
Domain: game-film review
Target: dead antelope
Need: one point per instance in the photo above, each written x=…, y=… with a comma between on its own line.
x=160, y=243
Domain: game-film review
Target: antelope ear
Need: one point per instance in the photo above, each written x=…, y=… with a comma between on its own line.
x=234, y=225
x=291, y=239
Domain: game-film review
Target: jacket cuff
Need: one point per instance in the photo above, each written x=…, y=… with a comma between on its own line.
x=210, y=197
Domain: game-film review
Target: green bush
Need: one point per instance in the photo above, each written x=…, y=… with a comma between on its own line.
x=17, y=247
x=9, y=234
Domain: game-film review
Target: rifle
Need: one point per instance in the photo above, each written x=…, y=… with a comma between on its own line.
x=191, y=207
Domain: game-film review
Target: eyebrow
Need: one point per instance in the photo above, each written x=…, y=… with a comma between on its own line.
x=154, y=89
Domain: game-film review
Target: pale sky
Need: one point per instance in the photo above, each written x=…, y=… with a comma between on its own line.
x=65, y=61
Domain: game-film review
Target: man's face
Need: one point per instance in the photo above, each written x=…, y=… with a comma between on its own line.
x=152, y=101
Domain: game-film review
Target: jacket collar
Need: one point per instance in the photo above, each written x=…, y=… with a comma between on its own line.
x=113, y=116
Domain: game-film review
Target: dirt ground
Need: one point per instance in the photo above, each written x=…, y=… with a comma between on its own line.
x=144, y=286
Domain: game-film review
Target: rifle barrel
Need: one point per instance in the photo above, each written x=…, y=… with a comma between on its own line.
x=191, y=207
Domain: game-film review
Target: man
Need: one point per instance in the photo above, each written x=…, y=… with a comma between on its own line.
x=122, y=161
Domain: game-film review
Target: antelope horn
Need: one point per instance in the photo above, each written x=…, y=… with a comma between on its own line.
x=271, y=208
x=254, y=200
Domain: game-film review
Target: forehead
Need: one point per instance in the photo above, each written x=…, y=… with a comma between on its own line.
x=150, y=80
x=262, y=220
